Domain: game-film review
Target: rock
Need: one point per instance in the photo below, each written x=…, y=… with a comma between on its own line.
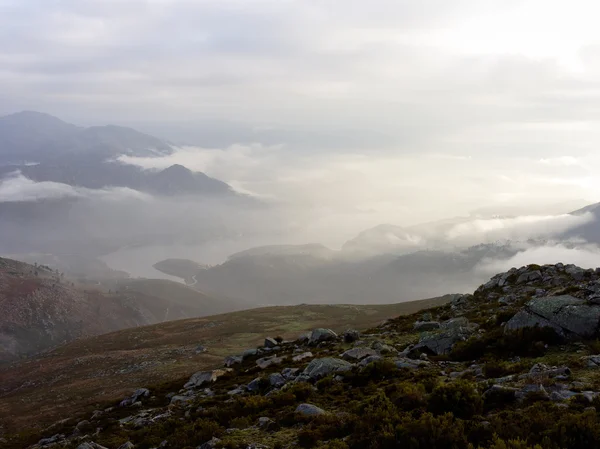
x=180, y=399
x=351, y=335
x=370, y=359
x=569, y=316
x=200, y=349
x=531, y=389
x=321, y=334
x=204, y=377
x=236, y=391
x=575, y=272
x=212, y=444
x=128, y=445
x=254, y=385
x=267, y=424
x=90, y=445
x=290, y=373
x=500, y=393
x=357, y=354
x=266, y=362
x=382, y=348
x=424, y=326
x=51, y=440
x=233, y=360
x=309, y=410
x=249, y=353
x=442, y=342
x=270, y=342
x=322, y=367
x=529, y=276
x=303, y=356
x=135, y=397
x=539, y=370
x=277, y=380
x=409, y=363
x=592, y=361
x=81, y=424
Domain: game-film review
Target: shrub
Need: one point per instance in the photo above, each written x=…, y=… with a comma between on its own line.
x=431, y=432
x=460, y=398
x=407, y=395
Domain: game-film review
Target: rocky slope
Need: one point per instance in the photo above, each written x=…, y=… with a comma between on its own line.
x=40, y=308
x=515, y=365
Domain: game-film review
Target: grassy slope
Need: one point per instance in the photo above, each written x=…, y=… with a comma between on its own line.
x=87, y=373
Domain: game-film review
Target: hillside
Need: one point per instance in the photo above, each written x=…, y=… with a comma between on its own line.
x=513, y=366
x=40, y=308
x=91, y=371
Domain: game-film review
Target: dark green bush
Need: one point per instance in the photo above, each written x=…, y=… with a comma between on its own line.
x=460, y=398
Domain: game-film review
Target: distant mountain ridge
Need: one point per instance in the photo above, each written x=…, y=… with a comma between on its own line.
x=44, y=148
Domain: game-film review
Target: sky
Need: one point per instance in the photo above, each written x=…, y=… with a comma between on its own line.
x=382, y=111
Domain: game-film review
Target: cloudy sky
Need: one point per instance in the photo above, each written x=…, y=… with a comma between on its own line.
x=405, y=110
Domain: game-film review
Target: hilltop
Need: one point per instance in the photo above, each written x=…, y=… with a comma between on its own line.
x=84, y=373
x=515, y=365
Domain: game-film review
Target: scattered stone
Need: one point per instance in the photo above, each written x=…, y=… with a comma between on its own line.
x=236, y=391
x=351, y=335
x=357, y=354
x=90, y=445
x=370, y=359
x=309, y=410
x=592, y=361
x=532, y=389
x=254, y=385
x=382, y=348
x=204, y=377
x=51, y=440
x=539, y=370
x=277, y=380
x=303, y=356
x=249, y=353
x=267, y=424
x=212, y=444
x=290, y=373
x=233, y=360
x=135, y=397
x=409, y=363
x=266, y=362
x=270, y=342
x=128, y=445
x=200, y=349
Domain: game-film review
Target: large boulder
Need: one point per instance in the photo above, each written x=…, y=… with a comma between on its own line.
x=204, y=377
x=322, y=367
x=443, y=342
x=136, y=396
x=569, y=316
x=321, y=334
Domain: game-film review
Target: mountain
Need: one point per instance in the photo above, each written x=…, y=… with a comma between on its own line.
x=383, y=239
x=514, y=365
x=46, y=149
x=37, y=137
x=41, y=308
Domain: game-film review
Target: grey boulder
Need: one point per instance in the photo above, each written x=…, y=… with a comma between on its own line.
x=321, y=334
x=204, y=377
x=570, y=317
x=309, y=410
x=322, y=367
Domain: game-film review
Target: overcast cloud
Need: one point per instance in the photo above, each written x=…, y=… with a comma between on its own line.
x=367, y=112
x=467, y=76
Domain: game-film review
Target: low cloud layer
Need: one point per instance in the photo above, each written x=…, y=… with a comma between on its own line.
x=583, y=255
x=18, y=188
